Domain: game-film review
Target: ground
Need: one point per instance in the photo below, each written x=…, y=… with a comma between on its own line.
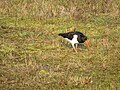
x=33, y=56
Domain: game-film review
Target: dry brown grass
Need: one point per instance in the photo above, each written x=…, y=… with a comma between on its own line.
x=36, y=58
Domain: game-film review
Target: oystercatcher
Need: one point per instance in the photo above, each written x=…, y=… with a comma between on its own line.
x=75, y=37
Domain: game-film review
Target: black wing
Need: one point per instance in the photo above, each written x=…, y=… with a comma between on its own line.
x=68, y=35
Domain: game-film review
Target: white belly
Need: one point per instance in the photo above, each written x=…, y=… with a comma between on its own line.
x=74, y=40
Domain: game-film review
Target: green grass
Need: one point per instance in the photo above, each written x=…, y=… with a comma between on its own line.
x=32, y=56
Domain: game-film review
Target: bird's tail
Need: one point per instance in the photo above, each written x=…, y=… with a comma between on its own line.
x=62, y=34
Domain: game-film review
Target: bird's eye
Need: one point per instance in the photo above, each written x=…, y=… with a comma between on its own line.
x=84, y=38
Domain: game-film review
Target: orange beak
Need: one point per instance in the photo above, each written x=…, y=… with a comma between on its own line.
x=87, y=43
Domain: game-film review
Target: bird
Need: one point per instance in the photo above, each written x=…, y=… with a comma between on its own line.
x=75, y=38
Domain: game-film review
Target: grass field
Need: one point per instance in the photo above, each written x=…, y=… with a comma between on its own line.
x=34, y=57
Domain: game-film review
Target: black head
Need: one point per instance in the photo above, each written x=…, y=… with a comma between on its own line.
x=81, y=37
x=84, y=38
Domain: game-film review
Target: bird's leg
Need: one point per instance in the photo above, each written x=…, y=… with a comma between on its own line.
x=74, y=48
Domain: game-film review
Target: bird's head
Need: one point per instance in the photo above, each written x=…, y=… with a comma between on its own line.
x=86, y=42
x=84, y=38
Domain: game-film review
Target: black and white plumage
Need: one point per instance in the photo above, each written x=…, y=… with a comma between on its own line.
x=75, y=38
